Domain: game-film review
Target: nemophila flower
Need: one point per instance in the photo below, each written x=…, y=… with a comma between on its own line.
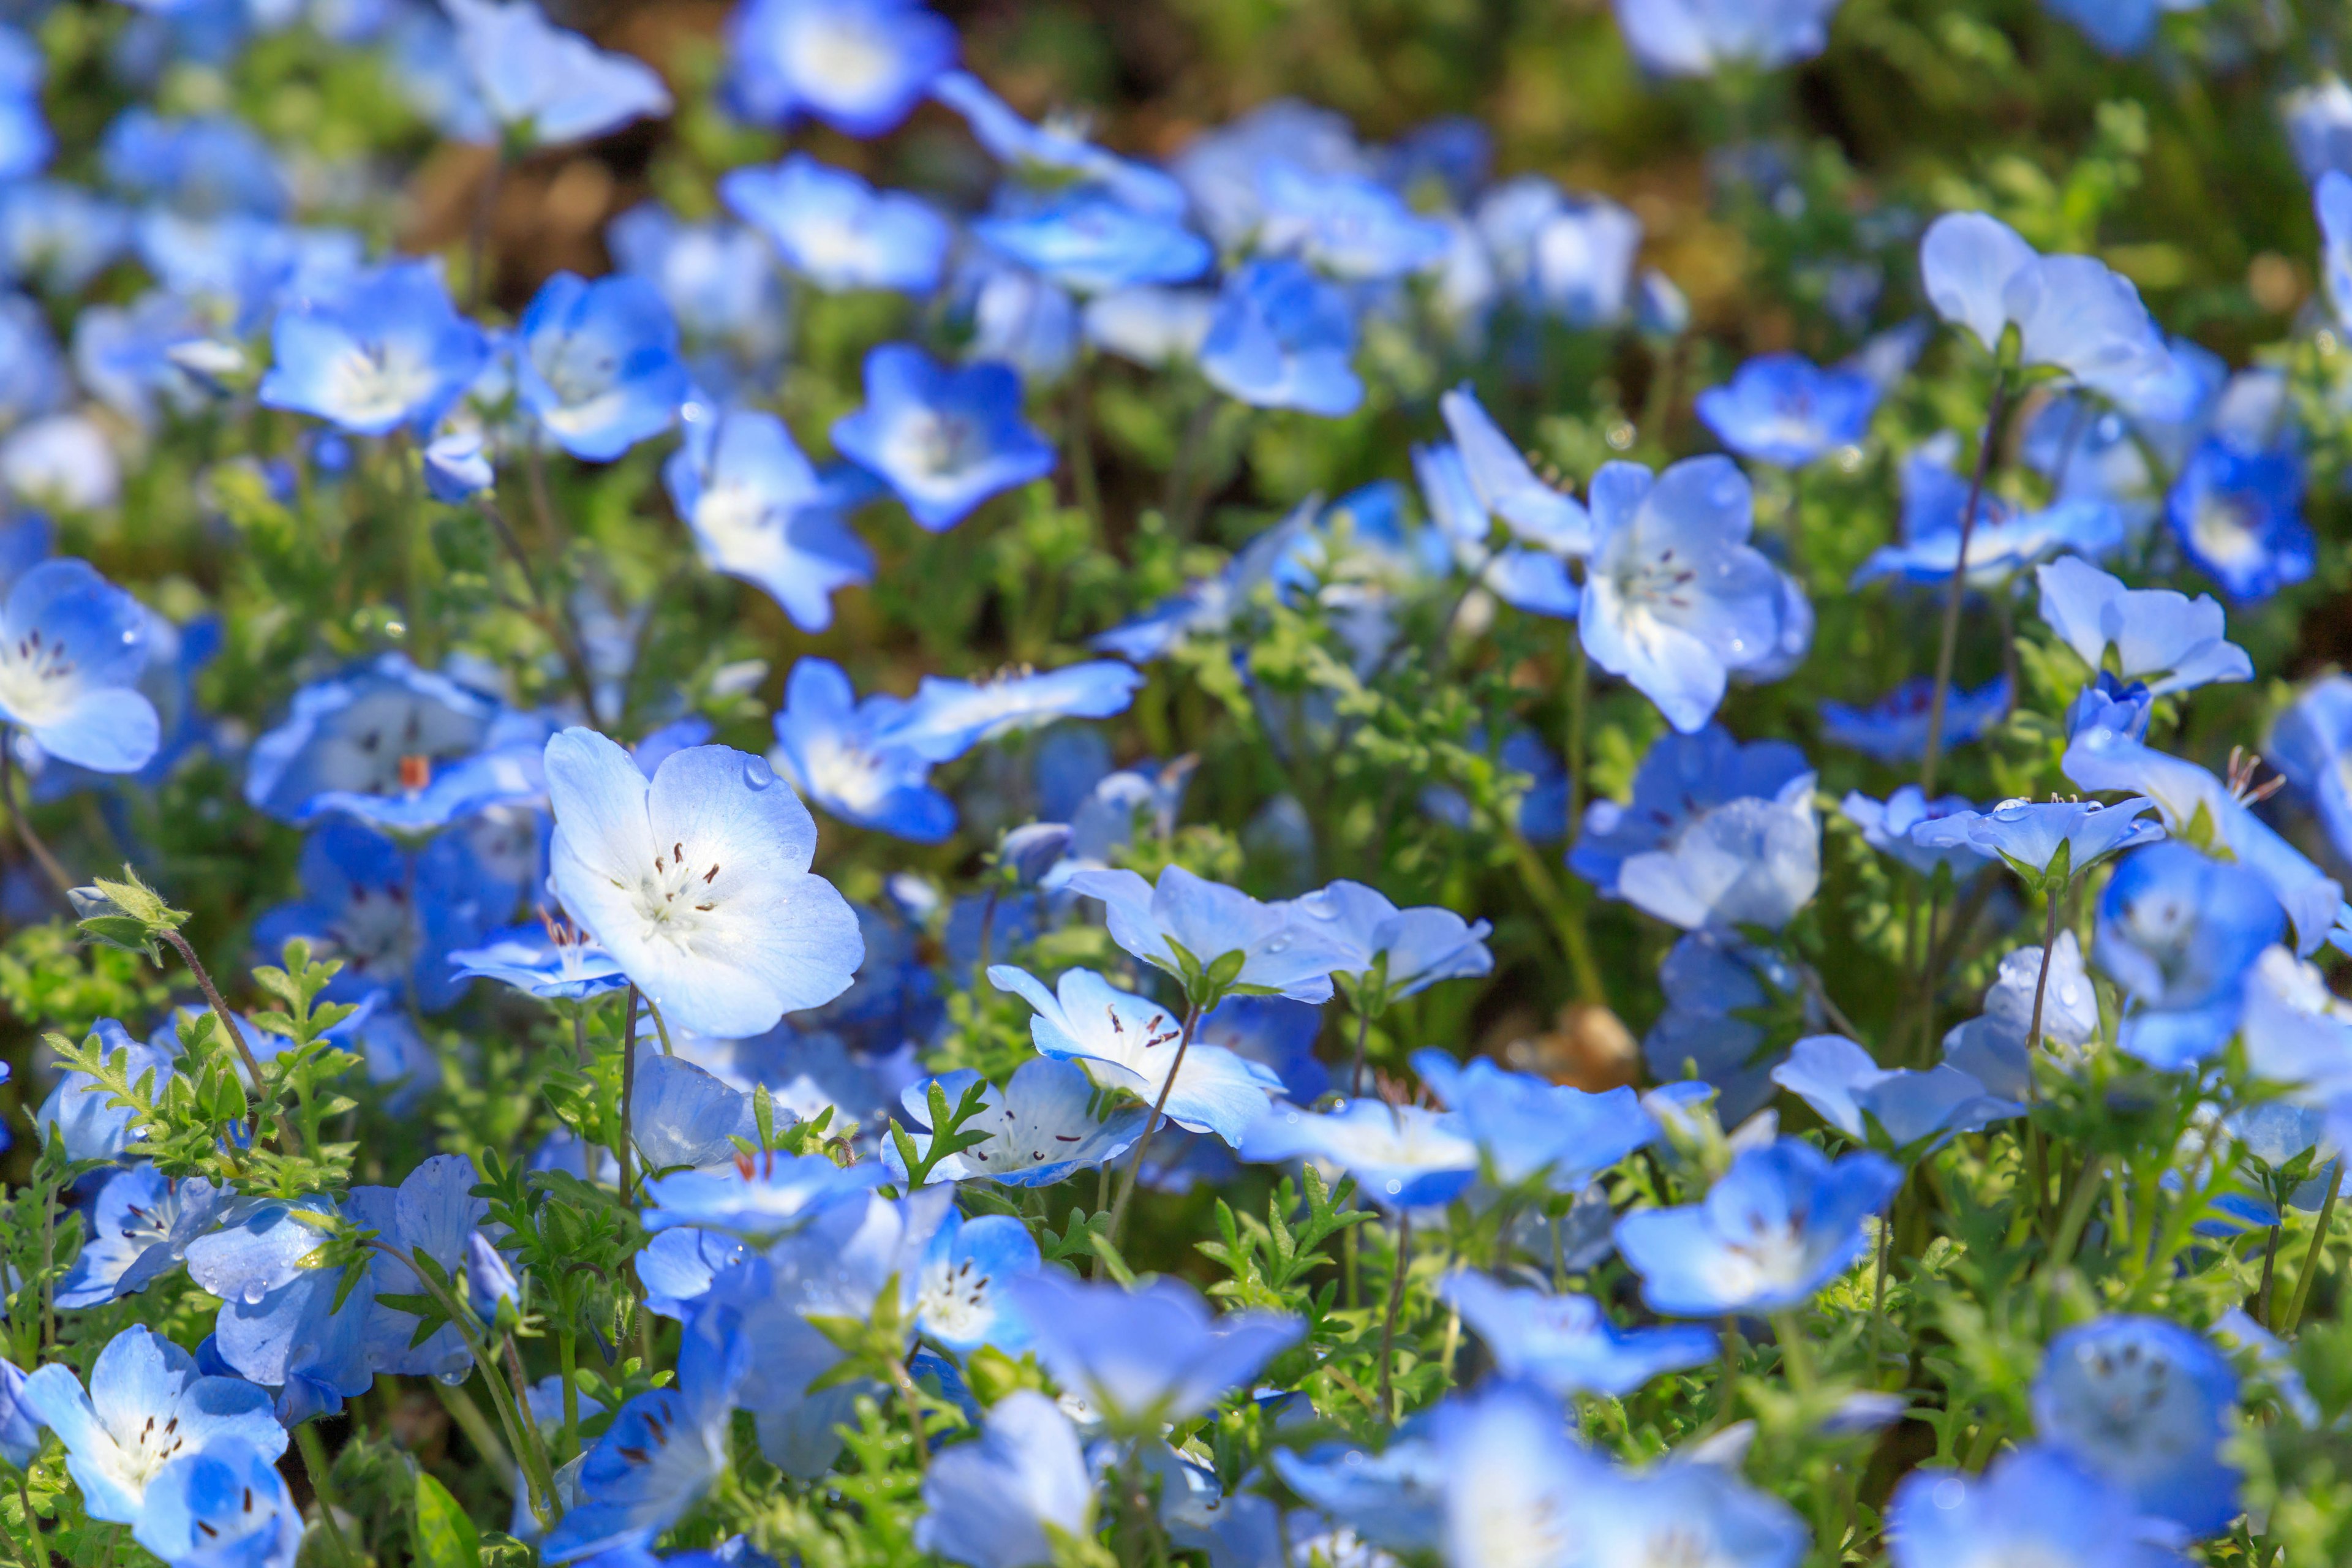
x=960, y=1297
x=58, y=236
x=1001, y=1501
x=146, y=1405
x=1894, y=730
x=72, y=646
x=1773, y=1230
x=1041, y=1125
x=2296, y=1031
x=1566, y=1344
x=20, y=1429
x=943, y=439
x=224, y=1506
x=1014, y=317
x=33, y=379
x=26, y=141
x=1787, y=410
x=1528, y=1129
x=1128, y=1042
x=389, y=915
x=2119, y=27
x=683, y=1117
x=2004, y=543
x=719, y=280
x=1392, y=952
x=2178, y=931
x=836, y=749
x=1680, y=779
x=490, y=1282
x=1846, y=1084
x=2309, y=741
x=1194, y=929
x=64, y=462
x=78, y=1110
x=553, y=961
x=2044, y=839
x=676, y=1266
x=2071, y=311
x=597, y=363
x=2034, y=1504
x=1510, y=1468
x=946, y=718
x=1504, y=486
x=1344, y=226
x=1685, y=1505
x=758, y=1195
x=1748, y=861
x=760, y=511
x=1094, y=244
x=1055, y=156
x=2147, y=1405
x=1555, y=255
x=431, y=1213
x=857, y=64
x=1154, y=327
x=1675, y=597
x=545, y=85
x=1992, y=1049
x=2238, y=515
x=662, y=1451
x=1209, y=606
x=838, y=232
x=1394, y=1499
x=2164, y=640
x=201, y=164
x=2107, y=703
x=139, y=1227
x=2196, y=806
x=385, y=350
x=697, y=881
x=1141, y=1358
x=1402, y=1156
x=1699, y=37
x=1886, y=827
x=1283, y=338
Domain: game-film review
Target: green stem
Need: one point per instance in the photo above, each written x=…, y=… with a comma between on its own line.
x=1566, y=919
x=1728, y=1387
x=660, y=1027
x=322, y=1486
x=50, y=868
x=567, y=1351
x=1152, y=1124
x=2311, y=1259
x=1948, y=641
x=628, y=1087
x=2078, y=1212
x=1796, y=1357
x=1388, y=1323
x=1363, y=1029
x=1580, y=692
x=477, y=1428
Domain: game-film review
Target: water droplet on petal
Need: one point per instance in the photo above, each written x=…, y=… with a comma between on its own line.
x=1395, y=1186
x=254, y=1291
x=757, y=773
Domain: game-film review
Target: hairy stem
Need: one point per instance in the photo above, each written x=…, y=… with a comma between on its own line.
x=1948, y=640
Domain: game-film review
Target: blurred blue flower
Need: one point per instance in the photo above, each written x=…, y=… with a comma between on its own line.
x=1784, y=409
x=57, y=235
x=223, y=1506
x=1392, y=1499
x=837, y=231
x=719, y=280
x=1887, y=827
x=1041, y=1125
x=1528, y=1130
x=857, y=64
x=1273, y=1032
x=945, y=718
x=1153, y=327
x=834, y=749
x=2147, y=1405
x=1345, y=226
x=1566, y=1344
x=759, y=1197
x=1394, y=953
x=384, y=350
x=1843, y=1082
x=1093, y=244
x=1055, y=156
x=1402, y=1156
x=2165, y=640
x=546, y=85
x=988, y=1502
x=2107, y=703
x=1681, y=778
x=760, y=511
x=122, y=354
x=1750, y=861
x=1015, y=316
x=1141, y=1358
x=1283, y=338
x=1560, y=256
x=2033, y=1504
x=944, y=440
x=697, y=881
x=72, y=648
x=2309, y=741
x=1894, y=730
x=1186, y=925
x=26, y=141
x=1773, y=1230
x=686, y=1117
x=139, y=1226
x=204, y=165
x=78, y=1106
x=2119, y=27
x=597, y=363
x=2071, y=311
x=1699, y=37
x=2004, y=541
x=2032, y=836
x=391, y=916
x=2178, y=931
x=1209, y=606
x=2238, y=515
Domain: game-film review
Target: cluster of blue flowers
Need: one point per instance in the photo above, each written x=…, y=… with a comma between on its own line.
x=1134, y=1040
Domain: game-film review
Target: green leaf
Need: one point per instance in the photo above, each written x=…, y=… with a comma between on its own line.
x=445, y=1538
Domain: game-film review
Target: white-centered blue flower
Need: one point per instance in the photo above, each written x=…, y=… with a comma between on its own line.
x=72, y=646
x=547, y=85
x=1402, y=1156
x=2164, y=640
x=857, y=64
x=838, y=232
x=1041, y=1125
x=836, y=749
x=1139, y=1358
x=2033, y=1504
x=697, y=881
x=1772, y=1231
x=990, y=1503
x=1750, y=861
x=944, y=440
x=1699, y=37
x=962, y=1296
x=2071, y=311
x=947, y=718
x=385, y=350
x=223, y=1506
x=759, y=510
x=597, y=363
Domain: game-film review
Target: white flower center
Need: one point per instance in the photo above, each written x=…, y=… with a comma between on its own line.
x=847, y=58
x=39, y=679
x=678, y=896
x=376, y=382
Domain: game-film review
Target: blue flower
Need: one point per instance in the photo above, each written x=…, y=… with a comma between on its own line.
x=72, y=646
x=1187, y=926
x=1392, y=952
x=677, y=1266
x=391, y=916
x=697, y=881
x=661, y=1452
x=1844, y=1083
x=2071, y=311
x=2043, y=839
x=553, y=961
x=833, y=749
x=2307, y=743
x=2332, y=196
x=2107, y=703
x=1053, y=156
x=1094, y=245
x=490, y=1282
x=597, y=363
x=1275, y=1033
x=2166, y=641
x=57, y=235
x=1041, y=1125
x=1156, y=328
x=946, y=718
x=431, y=1213
x=145, y=1407
x=2119, y=27
x=1283, y=338
x=962, y=1295
x=1992, y=1049
x=836, y=230
x=385, y=350
x=720, y=281
x=686, y=1117
x=1749, y=861
x=1887, y=827
x=1345, y=226
x=1784, y=409
x=1566, y=1344
x=760, y=511
x=1141, y=1358
x=26, y=141
x=397, y=747
x=224, y=1506
x=1128, y=1042
x=202, y=164
x=2147, y=1405
x=1015, y=317
x=1681, y=778
x=79, y=1108
x=1894, y=730
x=990, y=1503
x=2178, y=931
x=1698, y=37
x=760, y=1196
x=943, y=440
x=1777, y=1227
x=1567, y=258
x=1209, y=606
x=2238, y=515
x=2034, y=1504
x=2005, y=540
x=857, y=64
x=141, y=1224
x=1675, y=597
x=1402, y=1156
x=547, y=85
x=1528, y=1130
x=1394, y=1498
